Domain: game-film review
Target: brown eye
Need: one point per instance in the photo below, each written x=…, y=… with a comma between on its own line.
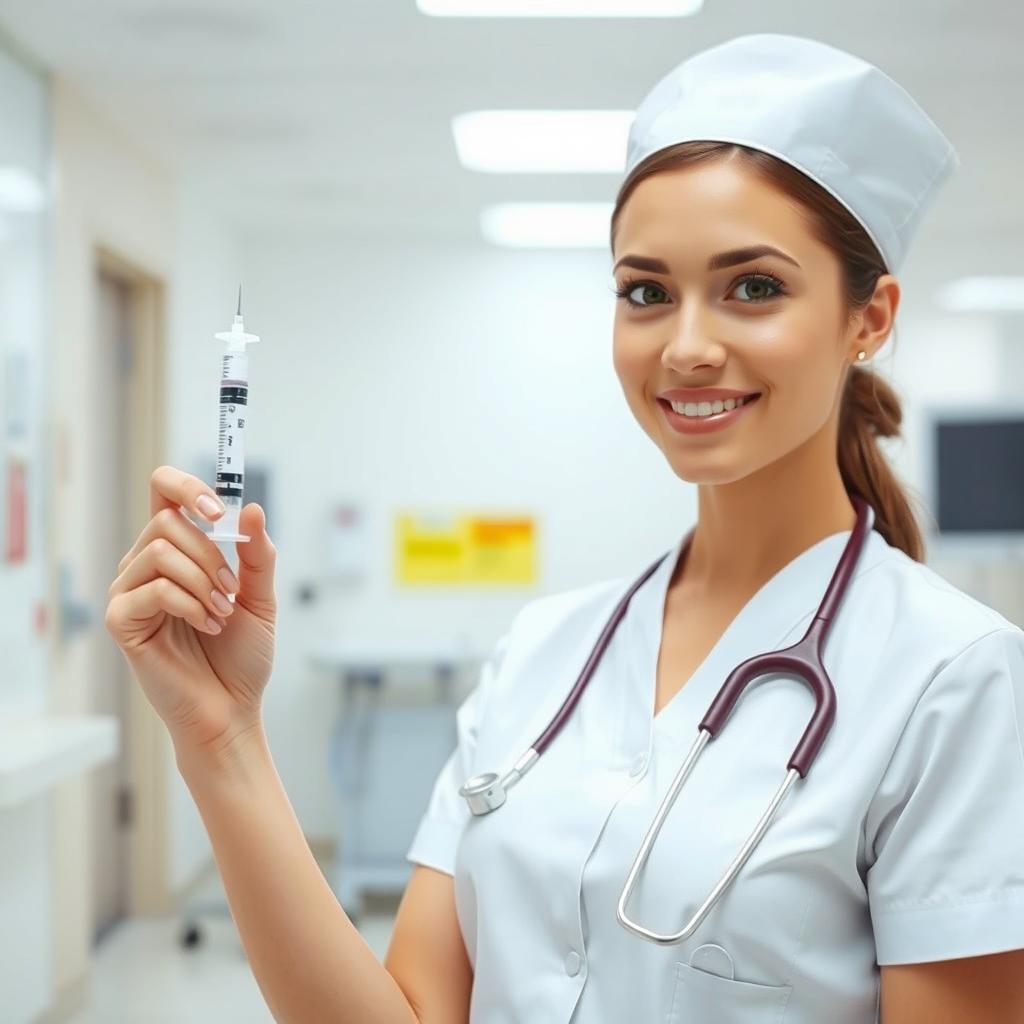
x=759, y=284
x=628, y=287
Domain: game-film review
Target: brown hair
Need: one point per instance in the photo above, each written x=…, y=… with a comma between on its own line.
x=870, y=406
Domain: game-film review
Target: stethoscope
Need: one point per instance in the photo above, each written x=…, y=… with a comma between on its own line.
x=485, y=793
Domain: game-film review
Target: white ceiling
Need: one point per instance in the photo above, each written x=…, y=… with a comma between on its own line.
x=336, y=113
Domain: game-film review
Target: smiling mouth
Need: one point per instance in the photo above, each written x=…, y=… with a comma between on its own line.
x=679, y=407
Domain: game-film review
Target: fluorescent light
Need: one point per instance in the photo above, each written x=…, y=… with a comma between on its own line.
x=548, y=225
x=543, y=141
x=19, y=191
x=560, y=8
x=988, y=294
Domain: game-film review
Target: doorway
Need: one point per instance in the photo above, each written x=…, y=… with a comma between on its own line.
x=111, y=789
x=129, y=805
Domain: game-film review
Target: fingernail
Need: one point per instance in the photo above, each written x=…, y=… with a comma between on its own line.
x=213, y=625
x=208, y=506
x=222, y=604
x=227, y=580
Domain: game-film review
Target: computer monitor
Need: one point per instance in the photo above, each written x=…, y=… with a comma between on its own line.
x=975, y=473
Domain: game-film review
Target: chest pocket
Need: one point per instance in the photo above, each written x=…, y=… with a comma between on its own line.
x=700, y=996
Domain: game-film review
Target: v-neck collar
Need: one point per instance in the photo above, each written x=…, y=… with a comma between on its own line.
x=760, y=625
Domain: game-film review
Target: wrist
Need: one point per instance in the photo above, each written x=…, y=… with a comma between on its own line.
x=235, y=757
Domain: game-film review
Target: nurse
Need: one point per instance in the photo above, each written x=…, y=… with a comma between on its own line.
x=772, y=187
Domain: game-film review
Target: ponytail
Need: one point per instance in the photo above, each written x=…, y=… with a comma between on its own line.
x=871, y=409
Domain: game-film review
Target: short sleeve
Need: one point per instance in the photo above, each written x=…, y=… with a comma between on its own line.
x=437, y=835
x=946, y=824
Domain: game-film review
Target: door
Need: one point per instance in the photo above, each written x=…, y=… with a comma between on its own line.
x=112, y=796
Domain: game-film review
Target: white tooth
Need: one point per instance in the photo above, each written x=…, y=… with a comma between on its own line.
x=698, y=409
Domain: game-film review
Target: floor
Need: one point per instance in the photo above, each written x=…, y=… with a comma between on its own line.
x=143, y=975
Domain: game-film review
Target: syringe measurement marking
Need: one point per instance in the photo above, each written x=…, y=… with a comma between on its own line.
x=233, y=392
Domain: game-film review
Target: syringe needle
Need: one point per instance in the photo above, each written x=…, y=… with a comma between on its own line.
x=239, y=301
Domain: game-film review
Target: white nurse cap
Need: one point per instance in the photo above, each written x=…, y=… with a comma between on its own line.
x=833, y=116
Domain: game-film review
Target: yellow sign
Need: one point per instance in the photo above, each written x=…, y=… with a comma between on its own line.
x=465, y=549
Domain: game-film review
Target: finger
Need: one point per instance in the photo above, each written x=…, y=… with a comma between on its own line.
x=188, y=538
x=172, y=488
x=161, y=558
x=126, y=612
x=256, y=557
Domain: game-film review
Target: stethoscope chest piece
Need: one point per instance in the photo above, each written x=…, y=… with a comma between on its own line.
x=484, y=793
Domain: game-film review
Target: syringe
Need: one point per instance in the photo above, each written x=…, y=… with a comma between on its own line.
x=234, y=395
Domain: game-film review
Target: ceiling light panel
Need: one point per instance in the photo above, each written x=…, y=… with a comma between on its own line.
x=543, y=141
x=560, y=8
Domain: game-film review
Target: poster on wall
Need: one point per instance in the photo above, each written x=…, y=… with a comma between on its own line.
x=347, y=551
x=3, y=443
x=433, y=548
x=16, y=539
x=15, y=469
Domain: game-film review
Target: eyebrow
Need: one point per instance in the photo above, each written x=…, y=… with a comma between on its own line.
x=718, y=262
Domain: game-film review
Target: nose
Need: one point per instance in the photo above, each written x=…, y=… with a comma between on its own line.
x=691, y=344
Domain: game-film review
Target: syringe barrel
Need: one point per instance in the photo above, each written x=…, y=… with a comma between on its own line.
x=234, y=397
x=228, y=523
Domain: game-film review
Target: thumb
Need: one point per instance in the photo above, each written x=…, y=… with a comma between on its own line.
x=256, y=557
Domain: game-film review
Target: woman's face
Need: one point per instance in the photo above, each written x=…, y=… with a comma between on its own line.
x=696, y=327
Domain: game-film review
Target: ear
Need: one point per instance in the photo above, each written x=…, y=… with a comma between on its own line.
x=876, y=319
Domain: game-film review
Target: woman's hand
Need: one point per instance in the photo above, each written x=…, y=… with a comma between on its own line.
x=206, y=685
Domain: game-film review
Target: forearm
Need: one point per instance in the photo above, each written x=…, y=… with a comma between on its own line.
x=310, y=962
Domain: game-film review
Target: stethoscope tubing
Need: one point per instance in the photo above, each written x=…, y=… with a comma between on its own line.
x=485, y=793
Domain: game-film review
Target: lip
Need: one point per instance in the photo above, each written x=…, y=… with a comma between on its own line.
x=703, y=394
x=705, y=424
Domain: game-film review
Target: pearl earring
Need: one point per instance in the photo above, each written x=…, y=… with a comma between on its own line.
x=861, y=355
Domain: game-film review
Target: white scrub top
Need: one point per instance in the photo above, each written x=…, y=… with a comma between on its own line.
x=905, y=842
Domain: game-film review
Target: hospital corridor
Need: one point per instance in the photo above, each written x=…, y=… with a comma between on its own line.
x=511, y=512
